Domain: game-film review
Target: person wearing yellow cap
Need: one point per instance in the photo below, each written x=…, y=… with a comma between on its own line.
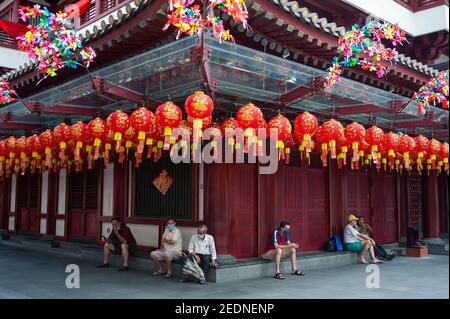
x=355, y=241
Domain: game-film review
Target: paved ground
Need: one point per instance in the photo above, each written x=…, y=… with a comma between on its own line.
x=27, y=274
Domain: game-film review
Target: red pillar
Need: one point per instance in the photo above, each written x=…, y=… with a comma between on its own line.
x=336, y=183
x=431, y=206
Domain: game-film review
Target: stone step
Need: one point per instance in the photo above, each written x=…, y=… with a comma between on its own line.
x=229, y=271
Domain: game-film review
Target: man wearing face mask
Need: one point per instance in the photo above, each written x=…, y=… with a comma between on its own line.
x=203, y=248
x=171, y=249
x=283, y=248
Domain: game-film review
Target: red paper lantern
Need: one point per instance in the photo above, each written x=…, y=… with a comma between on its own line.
x=355, y=134
x=35, y=148
x=406, y=146
x=229, y=129
x=78, y=131
x=390, y=144
x=422, y=145
x=330, y=132
x=21, y=147
x=142, y=120
x=375, y=137
x=62, y=136
x=198, y=106
x=342, y=145
x=281, y=126
x=97, y=129
x=248, y=116
x=48, y=142
x=305, y=125
x=118, y=122
x=434, y=149
x=168, y=116
x=10, y=145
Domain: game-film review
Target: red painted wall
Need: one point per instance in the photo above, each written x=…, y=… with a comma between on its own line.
x=443, y=202
x=4, y=203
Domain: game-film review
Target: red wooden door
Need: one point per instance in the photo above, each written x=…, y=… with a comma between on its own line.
x=383, y=205
x=242, y=204
x=358, y=195
x=83, y=205
x=28, y=203
x=301, y=199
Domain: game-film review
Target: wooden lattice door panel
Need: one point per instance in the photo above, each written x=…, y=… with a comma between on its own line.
x=414, y=202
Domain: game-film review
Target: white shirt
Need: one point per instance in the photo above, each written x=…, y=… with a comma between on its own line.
x=203, y=247
x=350, y=234
x=174, y=235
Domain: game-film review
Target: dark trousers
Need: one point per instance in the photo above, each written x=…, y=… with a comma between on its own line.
x=205, y=262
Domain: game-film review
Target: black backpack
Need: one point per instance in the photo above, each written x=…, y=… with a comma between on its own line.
x=330, y=245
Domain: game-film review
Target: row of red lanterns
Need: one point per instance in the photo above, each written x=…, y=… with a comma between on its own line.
x=69, y=145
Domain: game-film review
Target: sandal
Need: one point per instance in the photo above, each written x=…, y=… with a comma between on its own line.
x=298, y=273
x=157, y=273
x=278, y=276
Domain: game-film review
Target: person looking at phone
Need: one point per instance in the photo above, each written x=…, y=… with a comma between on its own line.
x=120, y=241
x=171, y=249
x=282, y=247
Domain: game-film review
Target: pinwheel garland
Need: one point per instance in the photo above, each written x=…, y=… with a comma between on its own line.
x=51, y=43
x=367, y=40
x=435, y=91
x=6, y=94
x=188, y=18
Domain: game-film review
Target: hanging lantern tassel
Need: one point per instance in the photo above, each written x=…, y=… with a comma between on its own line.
x=197, y=130
x=97, y=143
x=78, y=146
x=167, y=133
x=324, y=154
x=16, y=166
x=391, y=155
x=378, y=164
x=419, y=162
x=445, y=160
x=374, y=154
x=155, y=153
x=89, y=156
x=440, y=163
x=333, y=149
x=287, y=151
x=231, y=144
x=118, y=139
x=280, y=146
x=62, y=151
x=344, y=154
x=307, y=143
x=406, y=160
x=159, y=146
x=141, y=144
x=355, y=151
x=301, y=149
x=339, y=159
x=107, y=149
x=433, y=161
x=384, y=162
x=248, y=134
x=121, y=154
x=48, y=157
x=149, y=143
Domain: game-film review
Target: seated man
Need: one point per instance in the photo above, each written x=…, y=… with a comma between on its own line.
x=282, y=248
x=171, y=249
x=363, y=228
x=203, y=248
x=355, y=241
x=120, y=241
